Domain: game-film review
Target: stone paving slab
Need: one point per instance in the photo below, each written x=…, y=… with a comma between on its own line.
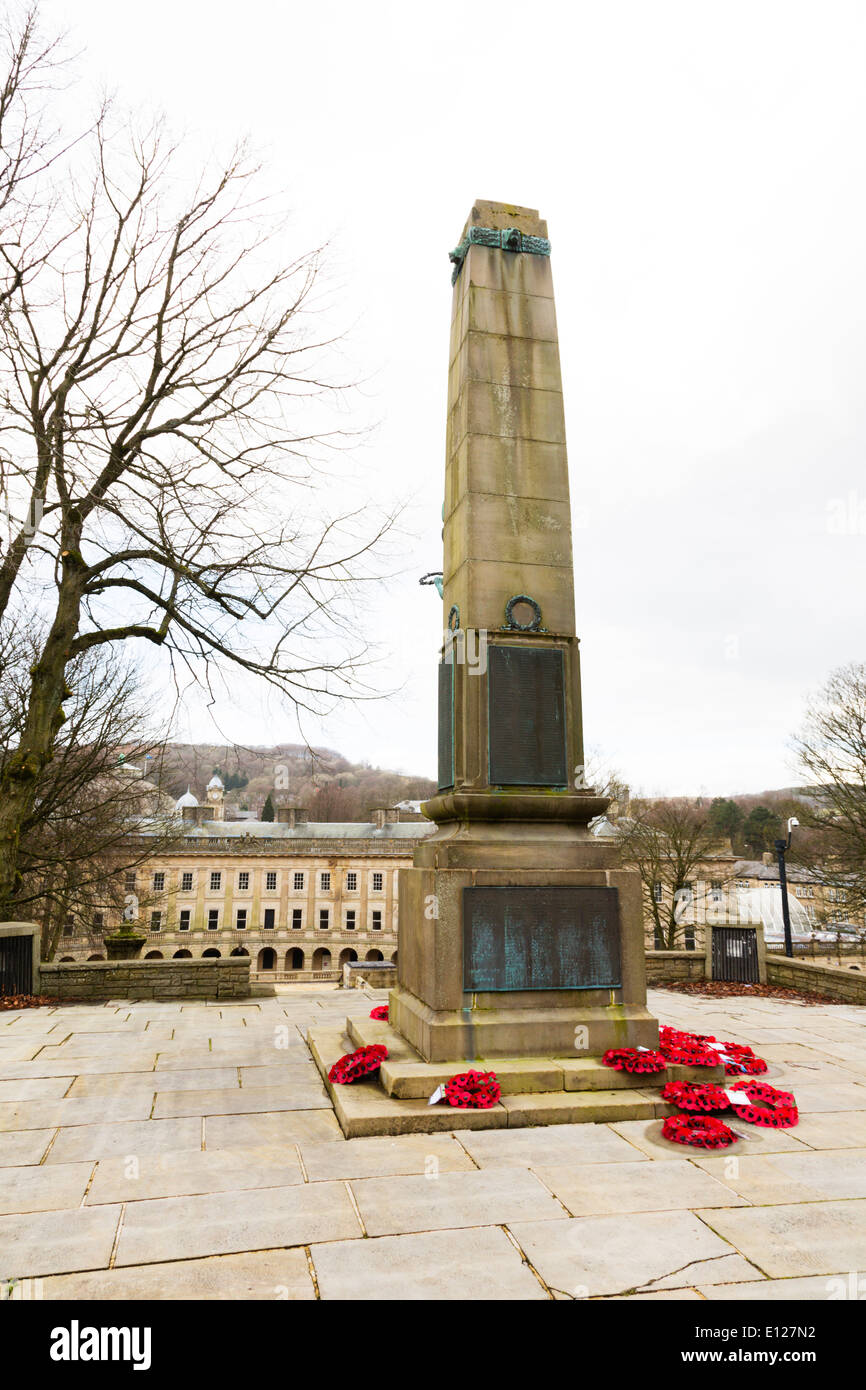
x=833, y=1130
x=36, y=1088
x=266, y=1274
x=34, y=1114
x=108, y=1083
x=233, y=1222
x=40, y=1188
x=809, y=1238
x=771, y=1179
x=39, y=1243
x=385, y=1156
x=250, y=1100
x=249, y=1131
x=136, y=1138
x=186, y=1173
x=808, y=1288
x=531, y=1148
x=395, y=1206
x=666, y=1185
x=478, y=1263
x=26, y=1147
x=589, y=1255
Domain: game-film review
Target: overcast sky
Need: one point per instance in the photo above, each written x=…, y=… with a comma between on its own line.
x=701, y=168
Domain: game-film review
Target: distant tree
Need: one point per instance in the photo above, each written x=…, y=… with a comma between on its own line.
x=726, y=817
x=268, y=808
x=761, y=828
x=831, y=747
x=667, y=841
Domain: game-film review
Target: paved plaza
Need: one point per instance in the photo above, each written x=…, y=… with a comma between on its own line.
x=172, y=1150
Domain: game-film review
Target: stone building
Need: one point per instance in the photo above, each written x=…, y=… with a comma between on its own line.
x=300, y=898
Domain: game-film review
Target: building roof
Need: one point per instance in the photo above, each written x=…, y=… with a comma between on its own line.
x=215, y=782
x=309, y=830
x=756, y=868
x=186, y=800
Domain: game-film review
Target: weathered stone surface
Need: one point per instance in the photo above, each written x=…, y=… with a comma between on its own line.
x=138, y=1137
x=263, y=1275
x=385, y=1157
x=479, y=1263
x=250, y=1131
x=40, y=1188
x=534, y=1148
x=814, y=1238
x=391, y=1206
x=587, y=1190
x=40, y=1243
x=185, y=1173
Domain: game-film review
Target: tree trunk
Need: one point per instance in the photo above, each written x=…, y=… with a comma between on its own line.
x=19, y=780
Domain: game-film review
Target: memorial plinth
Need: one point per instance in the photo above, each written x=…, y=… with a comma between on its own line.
x=521, y=934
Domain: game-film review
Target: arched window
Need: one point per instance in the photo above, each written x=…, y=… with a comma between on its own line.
x=267, y=959
x=182, y=955
x=295, y=959
x=322, y=959
x=154, y=955
x=348, y=955
x=212, y=952
x=373, y=955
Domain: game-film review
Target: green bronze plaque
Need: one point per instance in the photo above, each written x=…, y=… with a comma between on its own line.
x=518, y=938
x=526, y=716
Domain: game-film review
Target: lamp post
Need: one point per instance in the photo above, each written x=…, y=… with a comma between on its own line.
x=782, y=846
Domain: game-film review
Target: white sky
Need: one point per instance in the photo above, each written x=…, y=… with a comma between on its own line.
x=701, y=168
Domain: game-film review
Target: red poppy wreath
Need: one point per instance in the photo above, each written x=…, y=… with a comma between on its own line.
x=765, y=1106
x=357, y=1064
x=472, y=1090
x=690, y=1095
x=631, y=1059
x=701, y=1131
x=380, y=1013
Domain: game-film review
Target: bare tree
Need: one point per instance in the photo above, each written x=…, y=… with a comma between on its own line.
x=667, y=842
x=158, y=374
x=831, y=748
x=82, y=832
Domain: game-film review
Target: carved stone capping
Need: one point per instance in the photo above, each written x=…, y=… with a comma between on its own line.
x=506, y=239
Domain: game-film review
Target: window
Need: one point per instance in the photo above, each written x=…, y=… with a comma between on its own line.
x=270, y=915
x=183, y=924
x=350, y=919
x=213, y=919
x=158, y=882
x=271, y=880
x=716, y=890
x=377, y=919
x=658, y=940
x=690, y=938
x=657, y=892
x=155, y=921
x=243, y=882
x=298, y=881
x=378, y=882
x=351, y=881
x=324, y=914
x=99, y=920
x=297, y=917
x=216, y=879
x=186, y=882
x=129, y=882
x=69, y=925
x=326, y=883
x=241, y=922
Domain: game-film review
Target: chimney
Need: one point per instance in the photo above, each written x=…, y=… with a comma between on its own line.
x=377, y=815
x=293, y=815
x=768, y=858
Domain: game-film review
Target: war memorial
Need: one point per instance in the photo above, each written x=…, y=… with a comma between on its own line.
x=521, y=935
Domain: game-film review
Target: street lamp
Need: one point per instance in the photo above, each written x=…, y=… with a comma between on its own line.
x=782, y=846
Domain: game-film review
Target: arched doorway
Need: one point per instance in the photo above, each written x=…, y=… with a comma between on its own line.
x=295, y=959
x=96, y=957
x=182, y=955
x=394, y=958
x=240, y=951
x=267, y=959
x=322, y=959
x=348, y=954
x=211, y=951
x=154, y=955
x=67, y=960
x=373, y=955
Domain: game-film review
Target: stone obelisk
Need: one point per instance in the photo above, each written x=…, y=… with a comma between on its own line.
x=520, y=933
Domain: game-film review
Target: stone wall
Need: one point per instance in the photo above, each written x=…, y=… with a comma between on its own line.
x=674, y=965
x=379, y=974
x=149, y=979
x=836, y=982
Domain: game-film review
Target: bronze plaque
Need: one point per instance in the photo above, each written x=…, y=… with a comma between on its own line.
x=526, y=716
x=540, y=938
x=446, y=725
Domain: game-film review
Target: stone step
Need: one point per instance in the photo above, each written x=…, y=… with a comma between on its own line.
x=367, y=1108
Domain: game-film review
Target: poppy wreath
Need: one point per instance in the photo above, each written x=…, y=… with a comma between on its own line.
x=631, y=1060
x=765, y=1106
x=357, y=1064
x=472, y=1090
x=743, y=1065
x=689, y=1054
x=690, y=1095
x=702, y=1131
x=380, y=1013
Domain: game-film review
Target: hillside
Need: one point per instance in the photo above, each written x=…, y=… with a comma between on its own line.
x=332, y=787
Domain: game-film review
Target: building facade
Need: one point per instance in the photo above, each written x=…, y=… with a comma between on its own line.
x=299, y=898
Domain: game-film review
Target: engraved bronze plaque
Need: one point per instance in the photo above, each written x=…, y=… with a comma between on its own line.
x=540, y=938
x=526, y=716
x=446, y=725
